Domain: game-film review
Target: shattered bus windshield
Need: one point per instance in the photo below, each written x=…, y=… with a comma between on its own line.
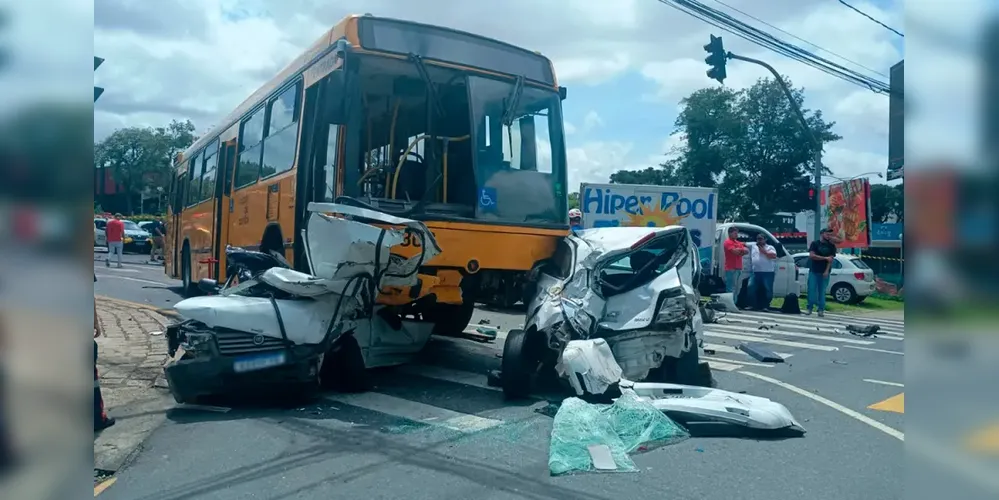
x=520, y=167
x=434, y=145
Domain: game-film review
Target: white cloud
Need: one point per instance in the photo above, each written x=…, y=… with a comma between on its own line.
x=158, y=69
x=592, y=121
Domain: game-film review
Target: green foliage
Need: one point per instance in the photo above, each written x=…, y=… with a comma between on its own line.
x=573, y=200
x=887, y=202
x=140, y=158
x=747, y=143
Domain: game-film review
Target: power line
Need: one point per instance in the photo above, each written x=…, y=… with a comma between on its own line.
x=796, y=37
x=868, y=16
x=727, y=23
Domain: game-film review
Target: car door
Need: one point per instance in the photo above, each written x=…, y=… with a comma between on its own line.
x=100, y=235
x=836, y=275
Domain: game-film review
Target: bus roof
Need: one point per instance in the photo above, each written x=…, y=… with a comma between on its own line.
x=364, y=37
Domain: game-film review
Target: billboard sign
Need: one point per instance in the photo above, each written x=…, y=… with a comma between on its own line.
x=846, y=209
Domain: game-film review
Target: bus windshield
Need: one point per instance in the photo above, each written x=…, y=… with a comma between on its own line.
x=518, y=152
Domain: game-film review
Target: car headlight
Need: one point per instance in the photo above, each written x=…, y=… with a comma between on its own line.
x=197, y=341
x=675, y=308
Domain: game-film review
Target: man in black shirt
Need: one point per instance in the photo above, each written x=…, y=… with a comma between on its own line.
x=820, y=254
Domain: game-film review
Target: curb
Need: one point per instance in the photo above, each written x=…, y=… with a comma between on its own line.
x=170, y=313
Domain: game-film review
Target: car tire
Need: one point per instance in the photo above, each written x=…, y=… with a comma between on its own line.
x=843, y=293
x=519, y=365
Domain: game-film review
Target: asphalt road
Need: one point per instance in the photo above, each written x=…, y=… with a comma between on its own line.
x=434, y=429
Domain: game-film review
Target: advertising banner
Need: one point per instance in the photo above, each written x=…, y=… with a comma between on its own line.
x=846, y=209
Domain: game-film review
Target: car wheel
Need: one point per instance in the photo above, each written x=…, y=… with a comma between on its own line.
x=843, y=293
x=185, y=272
x=518, y=366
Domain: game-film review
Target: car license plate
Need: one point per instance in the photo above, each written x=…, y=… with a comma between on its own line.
x=258, y=362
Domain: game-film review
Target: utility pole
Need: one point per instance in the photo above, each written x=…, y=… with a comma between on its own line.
x=97, y=90
x=717, y=57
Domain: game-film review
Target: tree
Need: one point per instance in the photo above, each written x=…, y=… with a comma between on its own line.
x=141, y=157
x=887, y=203
x=747, y=143
x=573, y=200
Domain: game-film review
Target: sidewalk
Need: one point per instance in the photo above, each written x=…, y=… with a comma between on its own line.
x=130, y=362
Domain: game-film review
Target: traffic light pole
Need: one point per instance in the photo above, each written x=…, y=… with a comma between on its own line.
x=817, y=162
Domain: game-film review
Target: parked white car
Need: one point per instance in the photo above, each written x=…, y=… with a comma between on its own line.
x=100, y=237
x=851, y=280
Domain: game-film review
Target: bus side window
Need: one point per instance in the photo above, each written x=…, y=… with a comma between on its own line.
x=194, y=180
x=250, y=149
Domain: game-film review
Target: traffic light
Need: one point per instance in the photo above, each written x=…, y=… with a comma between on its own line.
x=811, y=194
x=716, y=59
x=97, y=90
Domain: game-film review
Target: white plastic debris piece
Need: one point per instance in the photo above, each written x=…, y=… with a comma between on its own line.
x=727, y=301
x=593, y=362
x=686, y=402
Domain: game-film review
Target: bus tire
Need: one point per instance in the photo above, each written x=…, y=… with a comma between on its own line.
x=452, y=319
x=185, y=271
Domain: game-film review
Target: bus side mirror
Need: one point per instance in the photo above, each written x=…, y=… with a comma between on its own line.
x=561, y=93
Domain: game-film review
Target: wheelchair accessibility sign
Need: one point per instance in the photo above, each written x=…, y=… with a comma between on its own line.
x=487, y=199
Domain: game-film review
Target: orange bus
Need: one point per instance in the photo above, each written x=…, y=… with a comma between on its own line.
x=462, y=132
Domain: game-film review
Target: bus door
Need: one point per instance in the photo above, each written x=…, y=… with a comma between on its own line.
x=177, y=203
x=224, y=206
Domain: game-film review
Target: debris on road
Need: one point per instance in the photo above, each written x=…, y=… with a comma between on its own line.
x=210, y=408
x=863, y=330
x=588, y=437
x=761, y=353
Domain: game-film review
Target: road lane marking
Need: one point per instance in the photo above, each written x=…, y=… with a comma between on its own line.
x=813, y=324
x=742, y=364
x=723, y=366
x=882, y=382
x=894, y=404
x=984, y=441
x=103, y=486
x=765, y=340
x=885, y=351
x=814, y=336
x=895, y=433
x=734, y=350
x=140, y=280
x=462, y=377
x=417, y=412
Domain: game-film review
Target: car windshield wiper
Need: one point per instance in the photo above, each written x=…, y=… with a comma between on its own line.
x=513, y=101
x=421, y=68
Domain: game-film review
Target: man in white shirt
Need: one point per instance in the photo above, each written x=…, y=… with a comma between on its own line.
x=764, y=262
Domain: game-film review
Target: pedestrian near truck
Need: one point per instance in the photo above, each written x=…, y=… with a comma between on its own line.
x=734, y=251
x=764, y=260
x=820, y=257
x=114, y=231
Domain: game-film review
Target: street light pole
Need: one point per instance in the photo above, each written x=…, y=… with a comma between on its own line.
x=817, y=161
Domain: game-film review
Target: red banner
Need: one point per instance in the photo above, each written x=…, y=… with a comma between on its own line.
x=846, y=210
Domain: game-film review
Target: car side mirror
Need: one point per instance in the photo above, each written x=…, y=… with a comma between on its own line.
x=208, y=286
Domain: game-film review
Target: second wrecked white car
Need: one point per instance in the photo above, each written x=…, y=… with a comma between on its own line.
x=633, y=287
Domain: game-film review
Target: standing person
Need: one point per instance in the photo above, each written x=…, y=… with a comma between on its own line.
x=764, y=259
x=101, y=419
x=575, y=220
x=734, y=250
x=158, y=231
x=820, y=254
x=114, y=231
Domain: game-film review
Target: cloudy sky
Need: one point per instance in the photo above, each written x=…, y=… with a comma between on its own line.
x=626, y=63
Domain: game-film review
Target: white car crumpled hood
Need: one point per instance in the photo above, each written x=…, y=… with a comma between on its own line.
x=639, y=346
x=340, y=252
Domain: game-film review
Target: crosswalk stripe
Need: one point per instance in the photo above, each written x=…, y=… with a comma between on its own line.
x=828, y=318
x=416, y=412
x=827, y=332
x=882, y=382
x=872, y=349
x=867, y=319
x=740, y=363
x=829, y=338
x=462, y=377
x=811, y=323
x=734, y=350
x=765, y=340
x=723, y=366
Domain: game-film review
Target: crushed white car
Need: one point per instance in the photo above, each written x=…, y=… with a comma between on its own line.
x=635, y=288
x=287, y=327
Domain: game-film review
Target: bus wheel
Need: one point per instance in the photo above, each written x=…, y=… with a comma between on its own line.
x=452, y=319
x=185, y=273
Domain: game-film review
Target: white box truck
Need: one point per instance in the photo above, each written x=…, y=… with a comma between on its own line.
x=623, y=205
